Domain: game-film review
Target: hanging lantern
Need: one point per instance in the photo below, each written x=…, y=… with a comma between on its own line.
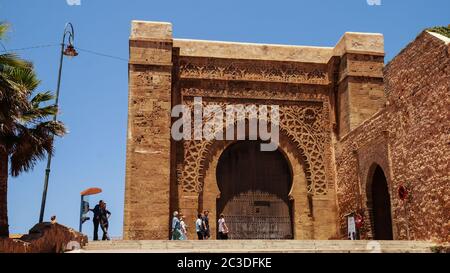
x=70, y=51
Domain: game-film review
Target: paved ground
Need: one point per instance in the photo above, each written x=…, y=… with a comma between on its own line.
x=257, y=246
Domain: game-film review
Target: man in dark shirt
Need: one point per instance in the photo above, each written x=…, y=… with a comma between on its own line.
x=205, y=221
x=96, y=218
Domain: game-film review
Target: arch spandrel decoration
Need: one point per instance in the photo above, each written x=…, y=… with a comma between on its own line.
x=304, y=124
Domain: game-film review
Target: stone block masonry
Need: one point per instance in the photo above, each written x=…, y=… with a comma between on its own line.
x=343, y=117
x=148, y=141
x=409, y=139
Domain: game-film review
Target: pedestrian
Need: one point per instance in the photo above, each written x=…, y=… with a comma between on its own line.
x=176, y=227
x=199, y=226
x=205, y=220
x=223, y=228
x=183, y=228
x=104, y=221
x=96, y=218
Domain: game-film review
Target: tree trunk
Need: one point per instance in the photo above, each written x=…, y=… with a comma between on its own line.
x=4, y=227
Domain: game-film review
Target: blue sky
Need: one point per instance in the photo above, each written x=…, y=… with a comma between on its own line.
x=94, y=88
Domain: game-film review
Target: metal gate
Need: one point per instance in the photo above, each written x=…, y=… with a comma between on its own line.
x=254, y=192
x=258, y=216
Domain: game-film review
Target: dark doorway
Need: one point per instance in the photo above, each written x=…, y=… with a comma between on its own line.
x=254, y=188
x=381, y=206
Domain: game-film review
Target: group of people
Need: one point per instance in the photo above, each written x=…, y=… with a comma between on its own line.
x=202, y=226
x=101, y=218
x=179, y=227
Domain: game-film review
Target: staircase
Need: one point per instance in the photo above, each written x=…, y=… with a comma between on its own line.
x=258, y=246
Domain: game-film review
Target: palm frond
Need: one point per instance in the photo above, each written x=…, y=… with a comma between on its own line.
x=36, y=114
x=33, y=144
x=14, y=61
x=28, y=150
x=22, y=79
x=26, y=134
x=41, y=97
x=12, y=103
x=56, y=128
x=3, y=29
x=12, y=100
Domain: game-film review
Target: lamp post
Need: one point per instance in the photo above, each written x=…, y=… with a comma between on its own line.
x=70, y=52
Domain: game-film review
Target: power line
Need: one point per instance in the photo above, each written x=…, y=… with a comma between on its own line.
x=80, y=49
x=27, y=48
x=102, y=54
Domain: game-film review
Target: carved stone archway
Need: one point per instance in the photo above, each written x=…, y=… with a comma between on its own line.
x=302, y=211
x=303, y=138
x=303, y=124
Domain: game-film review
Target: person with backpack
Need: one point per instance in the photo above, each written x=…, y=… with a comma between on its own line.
x=176, y=227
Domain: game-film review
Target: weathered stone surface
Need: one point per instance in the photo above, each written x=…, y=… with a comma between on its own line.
x=409, y=140
x=148, y=141
x=262, y=246
x=340, y=115
x=44, y=238
x=249, y=51
x=151, y=30
x=360, y=43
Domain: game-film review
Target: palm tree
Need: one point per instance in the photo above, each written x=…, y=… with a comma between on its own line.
x=26, y=133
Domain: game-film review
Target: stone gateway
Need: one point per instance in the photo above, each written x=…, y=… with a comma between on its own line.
x=348, y=138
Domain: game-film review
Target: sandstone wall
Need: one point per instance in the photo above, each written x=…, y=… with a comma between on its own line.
x=44, y=238
x=148, y=169
x=398, y=120
x=312, y=85
x=409, y=139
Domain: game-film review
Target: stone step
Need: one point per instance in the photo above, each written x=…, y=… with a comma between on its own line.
x=258, y=246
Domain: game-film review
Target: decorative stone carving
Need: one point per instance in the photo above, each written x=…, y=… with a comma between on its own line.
x=255, y=93
x=303, y=123
x=219, y=69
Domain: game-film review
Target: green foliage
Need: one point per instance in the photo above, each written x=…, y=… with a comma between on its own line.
x=440, y=249
x=441, y=30
x=3, y=29
x=26, y=128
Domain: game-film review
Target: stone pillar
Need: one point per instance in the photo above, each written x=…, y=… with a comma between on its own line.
x=189, y=208
x=146, y=214
x=324, y=211
x=360, y=81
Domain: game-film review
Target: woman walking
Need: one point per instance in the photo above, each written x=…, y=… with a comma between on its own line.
x=183, y=228
x=223, y=228
x=176, y=227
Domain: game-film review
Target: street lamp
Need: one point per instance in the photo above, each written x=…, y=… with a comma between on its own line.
x=70, y=52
